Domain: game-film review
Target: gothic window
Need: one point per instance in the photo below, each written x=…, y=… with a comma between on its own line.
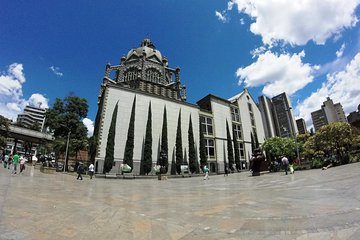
x=235, y=115
x=130, y=74
x=237, y=131
x=206, y=125
x=153, y=75
x=210, y=148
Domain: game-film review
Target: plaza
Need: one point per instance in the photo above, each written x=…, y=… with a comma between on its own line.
x=312, y=204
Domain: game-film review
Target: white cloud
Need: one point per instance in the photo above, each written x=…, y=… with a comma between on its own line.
x=297, y=22
x=342, y=86
x=11, y=95
x=89, y=125
x=278, y=73
x=221, y=16
x=56, y=71
x=340, y=52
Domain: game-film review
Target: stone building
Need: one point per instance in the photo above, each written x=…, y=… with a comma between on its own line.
x=144, y=77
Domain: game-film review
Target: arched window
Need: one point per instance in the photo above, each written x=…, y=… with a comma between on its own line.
x=153, y=75
x=130, y=74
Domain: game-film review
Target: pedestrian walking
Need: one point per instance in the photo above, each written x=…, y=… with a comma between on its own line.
x=91, y=170
x=22, y=163
x=15, y=161
x=206, y=171
x=291, y=166
x=6, y=160
x=285, y=163
x=79, y=171
x=226, y=170
x=9, y=162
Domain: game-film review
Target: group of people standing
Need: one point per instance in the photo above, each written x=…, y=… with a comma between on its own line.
x=12, y=161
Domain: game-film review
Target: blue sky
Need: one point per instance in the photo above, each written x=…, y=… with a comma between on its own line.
x=50, y=49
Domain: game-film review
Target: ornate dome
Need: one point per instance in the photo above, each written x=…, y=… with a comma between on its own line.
x=146, y=48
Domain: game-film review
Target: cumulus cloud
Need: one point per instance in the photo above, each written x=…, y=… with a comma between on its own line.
x=277, y=73
x=221, y=16
x=56, y=71
x=89, y=125
x=297, y=22
x=342, y=86
x=340, y=52
x=11, y=95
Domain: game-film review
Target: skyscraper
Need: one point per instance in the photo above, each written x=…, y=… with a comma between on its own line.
x=328, y=113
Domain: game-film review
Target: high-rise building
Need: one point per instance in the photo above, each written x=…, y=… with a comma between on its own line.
x=143, y=79
x=267, y=115
x=354, y=118
x=328, y=113
x=301, y=126
x=32, y=116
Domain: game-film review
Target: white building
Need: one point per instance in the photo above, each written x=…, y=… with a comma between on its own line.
x=144, y=75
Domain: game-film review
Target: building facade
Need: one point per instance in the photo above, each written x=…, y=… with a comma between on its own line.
x=328, y=113
x=32, y=116
x=301, y=126
x=143, y=78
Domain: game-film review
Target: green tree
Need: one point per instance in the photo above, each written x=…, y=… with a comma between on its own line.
x=66, y=116
x=109, y=153
x=129, y=146
x=164, y=152
x=4, y=127
x=178, y=146
x=278, y=146
x=147, y=159
x=236, y=151
x=192, y=157
x=229, y=147
x=202, y=148
x=335, y=139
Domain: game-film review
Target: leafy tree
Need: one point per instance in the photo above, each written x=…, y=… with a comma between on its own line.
x=109, y=153
x=278, y=146
x=202, y=148
x=237, y=151
x=4, y=126
x=335, y=139
x=129, y=147
x=192, y=160
x=147, y=159
x=66, y=116
x=164, y=152
x=178, y=146
x=229, y=147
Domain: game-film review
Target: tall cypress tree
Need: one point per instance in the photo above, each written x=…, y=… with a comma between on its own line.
x=202, y=148
x=109, y=154
x=178, y=144
x=236, y=150
x=164, y=152
x=252, y=142
x=148, y=144
x=229, y=147
x=129, y=146
x=192, y=160
x=173, y=165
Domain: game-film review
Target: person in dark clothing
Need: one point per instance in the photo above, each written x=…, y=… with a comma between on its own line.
x=79, y=171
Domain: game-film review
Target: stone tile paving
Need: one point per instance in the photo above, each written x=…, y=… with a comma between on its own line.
x=312, y=204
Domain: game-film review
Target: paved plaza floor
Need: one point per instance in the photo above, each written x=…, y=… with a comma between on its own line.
x=311, y=204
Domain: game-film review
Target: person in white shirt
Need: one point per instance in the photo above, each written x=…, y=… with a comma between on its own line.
x=91, y=170
x=285, y=163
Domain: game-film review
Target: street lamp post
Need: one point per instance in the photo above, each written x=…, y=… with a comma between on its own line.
x=66, y=151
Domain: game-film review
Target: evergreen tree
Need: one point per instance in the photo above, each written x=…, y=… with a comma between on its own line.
x=192, y=160
x=109, y=154
x=256, y=140
x=173, y=165
x=178, y=145
x=147, y=160
x=252, y=142
x=202, y=149
x=164, y=152
x=129, y=147
x=229, y=147
x=236, y=150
